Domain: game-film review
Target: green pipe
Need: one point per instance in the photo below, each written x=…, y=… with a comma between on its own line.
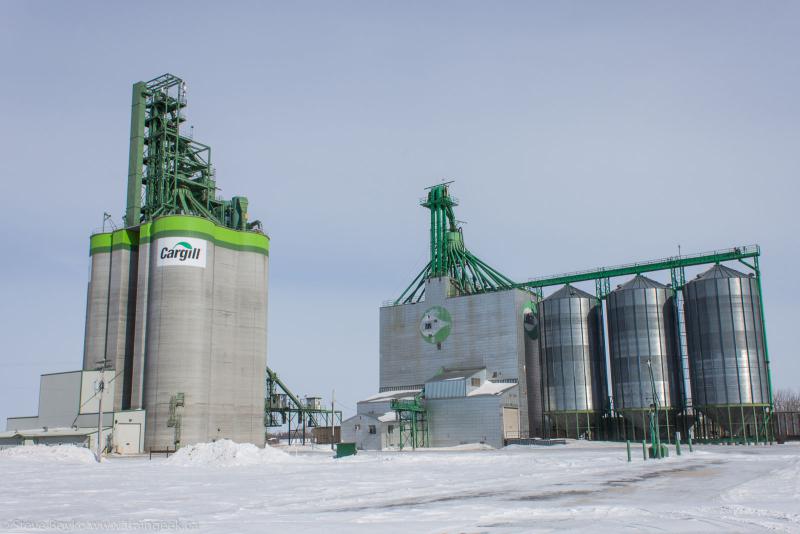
x=433, y=237
x=274, y=377
x=764, y=332
x=133, y=209
x=416, y=279
x=442, y=243
x=500, y=278
x=437, y=265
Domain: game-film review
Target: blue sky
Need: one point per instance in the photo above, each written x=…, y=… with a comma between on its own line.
x=579, y=134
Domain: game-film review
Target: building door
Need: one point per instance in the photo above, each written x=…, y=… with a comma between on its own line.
x=127, y=438
x=510, y=423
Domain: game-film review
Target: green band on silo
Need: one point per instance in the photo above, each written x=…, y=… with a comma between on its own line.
x=126, y=239
x=188, y=226
x=180, y=226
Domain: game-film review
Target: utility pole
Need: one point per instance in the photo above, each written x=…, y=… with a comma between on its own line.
x=333, y=420
x=100, y=389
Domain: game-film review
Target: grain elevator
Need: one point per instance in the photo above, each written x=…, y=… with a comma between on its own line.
x=467, y=355
x=176, y=313
x=177, y=300
x=459, y=347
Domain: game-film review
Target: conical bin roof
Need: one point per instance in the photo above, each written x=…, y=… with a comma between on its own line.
x=720, y=271
x=640, y=282
x=569, y=292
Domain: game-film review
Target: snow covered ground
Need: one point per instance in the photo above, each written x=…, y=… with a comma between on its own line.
x=580, y=486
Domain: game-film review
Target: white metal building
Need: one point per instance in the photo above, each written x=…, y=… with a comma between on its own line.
x=462, y=407
x=475, y=355
x=68, y=413
x=374, y=427
x=447, y=330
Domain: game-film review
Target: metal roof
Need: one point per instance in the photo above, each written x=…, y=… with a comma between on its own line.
x=455, y=374
x=492, y=388
x=641, y=282
x=391, y=395
x=388, y=417
x=568, y=292
x=720, y=271
x=49, y=432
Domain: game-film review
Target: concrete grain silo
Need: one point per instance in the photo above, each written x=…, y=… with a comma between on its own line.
x=177, y=300
x=110, y=305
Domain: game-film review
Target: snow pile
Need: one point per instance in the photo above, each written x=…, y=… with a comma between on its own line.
x=468, y=447
x=464, y=447
x=227, y=453
x=49, y=453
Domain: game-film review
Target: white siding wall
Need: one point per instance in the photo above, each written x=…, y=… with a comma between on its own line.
x=487, y=331
x=356, y=430
x=375, y=409
x=60, y=397
x=466, y=420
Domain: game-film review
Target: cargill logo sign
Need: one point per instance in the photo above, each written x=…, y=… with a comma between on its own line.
x=181, y=251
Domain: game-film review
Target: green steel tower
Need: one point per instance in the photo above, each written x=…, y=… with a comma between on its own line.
x=449, y=256
x=170, y=173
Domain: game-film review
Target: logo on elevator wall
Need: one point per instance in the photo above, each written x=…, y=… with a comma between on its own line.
x=530, y=319
x=181, y=251
x=435, y=324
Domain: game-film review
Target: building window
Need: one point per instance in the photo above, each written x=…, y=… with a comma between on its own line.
x=390, y=429
x=372, y=429
x=357, y=428
x=476, y=382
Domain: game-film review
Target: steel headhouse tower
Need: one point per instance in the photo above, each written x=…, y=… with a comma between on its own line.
x=460, y=315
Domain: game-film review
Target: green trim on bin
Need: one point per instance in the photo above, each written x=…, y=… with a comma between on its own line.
x=125, y=239
x=182, y=226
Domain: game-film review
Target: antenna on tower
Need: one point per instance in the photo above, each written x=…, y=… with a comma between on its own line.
x=107, y=218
